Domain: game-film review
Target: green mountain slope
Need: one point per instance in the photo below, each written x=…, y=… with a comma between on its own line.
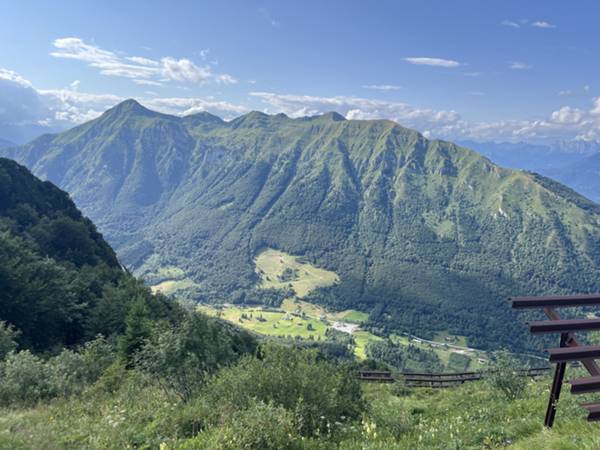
x=60, y=282
x=424, y=235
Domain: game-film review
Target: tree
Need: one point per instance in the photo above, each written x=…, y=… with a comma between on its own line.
x=8, y=339
x=138, y=328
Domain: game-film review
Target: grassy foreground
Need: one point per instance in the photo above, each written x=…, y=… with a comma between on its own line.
x=474, y=416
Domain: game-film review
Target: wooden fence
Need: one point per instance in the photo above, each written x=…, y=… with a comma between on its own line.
x=435, y=380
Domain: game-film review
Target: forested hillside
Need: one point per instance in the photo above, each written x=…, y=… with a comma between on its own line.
x=60, y=282
x=424, y=235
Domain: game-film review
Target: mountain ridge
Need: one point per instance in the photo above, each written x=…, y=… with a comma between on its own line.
x=426, y=235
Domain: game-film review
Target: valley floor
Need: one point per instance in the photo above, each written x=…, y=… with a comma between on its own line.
x=300, y=319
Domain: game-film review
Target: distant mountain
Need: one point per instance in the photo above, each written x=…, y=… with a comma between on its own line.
x=582, y=175
x=60, y=282
x=5, y=144
x=425, y=235
x=559, y=160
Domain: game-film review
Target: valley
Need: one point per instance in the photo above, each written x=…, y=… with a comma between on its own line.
x=296, y=318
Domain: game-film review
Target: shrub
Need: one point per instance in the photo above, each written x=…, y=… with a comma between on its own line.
x=503, y=376
x=261, y=426
x=181, y=357
x=319, y=392
x=23, y=379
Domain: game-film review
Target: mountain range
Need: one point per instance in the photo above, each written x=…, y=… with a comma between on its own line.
x=424, y=235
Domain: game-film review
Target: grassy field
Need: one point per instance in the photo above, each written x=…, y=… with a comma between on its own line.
x=298, y=318
x=170, y=280
x=279, y=270
x=170, y=287
x=270, y=322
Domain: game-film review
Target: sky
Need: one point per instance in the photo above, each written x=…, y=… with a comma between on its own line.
x=458, y=70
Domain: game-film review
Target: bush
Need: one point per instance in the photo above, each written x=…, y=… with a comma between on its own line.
x=503, y=376
x=320, y=393
x=261, y=426
x=27, y=379
x=24, y=379
x=180, y=358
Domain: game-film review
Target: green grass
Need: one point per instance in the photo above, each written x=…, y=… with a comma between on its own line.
x=472, y=416
x=271, y=264
x=287, y=321
x=270, y=323
x=352, y=316
x=170, y=287
x=274, y=323
x=362, y=338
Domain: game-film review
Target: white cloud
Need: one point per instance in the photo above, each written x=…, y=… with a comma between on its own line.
x=423, y=119
x=183, y=106
x=437, y=62
x=143, y=61
x=184, y=70
x=567, y=115
x=147, y=82
x=510, y=23
x=472, y=74
x=14, y=77
x=226, y=79
x=382, y=87
x=140, y=69
x=565, y=123
x=69, y=106
x=523, y=22
x=542, y=24
x=516, y=65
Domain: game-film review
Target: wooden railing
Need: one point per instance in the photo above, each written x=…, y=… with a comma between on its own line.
x=435, y=380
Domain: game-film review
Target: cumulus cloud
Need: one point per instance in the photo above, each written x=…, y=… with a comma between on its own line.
x=437, y=62
x=22, y=112
x=140, y=69
x=567, y=115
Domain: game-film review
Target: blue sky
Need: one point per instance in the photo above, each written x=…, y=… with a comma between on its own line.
x=493, y=70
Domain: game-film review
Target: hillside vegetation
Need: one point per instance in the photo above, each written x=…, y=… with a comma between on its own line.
x=423, y=235
x=138, y=414
x=90, y=358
